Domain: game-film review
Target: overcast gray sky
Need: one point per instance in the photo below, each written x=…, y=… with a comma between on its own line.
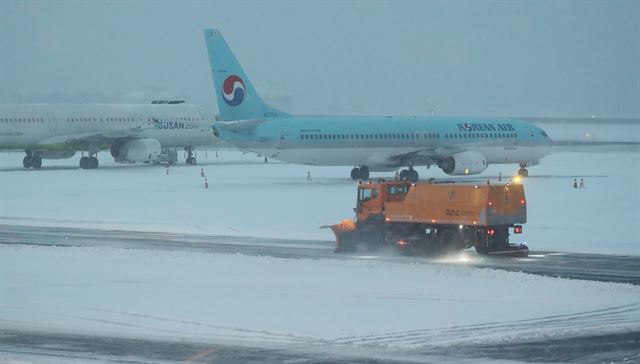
x=497, y=58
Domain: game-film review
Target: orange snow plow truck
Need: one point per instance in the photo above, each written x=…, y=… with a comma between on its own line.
x=432, y=218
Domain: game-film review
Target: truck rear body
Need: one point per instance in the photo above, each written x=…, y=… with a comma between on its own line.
x=438, y=204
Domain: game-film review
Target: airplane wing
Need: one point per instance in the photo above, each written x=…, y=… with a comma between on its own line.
x=424, y=156
x=239, y=126
x=99, y=137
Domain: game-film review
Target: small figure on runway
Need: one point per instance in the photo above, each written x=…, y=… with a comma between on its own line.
x=575, y=183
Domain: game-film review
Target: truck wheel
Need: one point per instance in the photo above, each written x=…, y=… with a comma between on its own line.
x=447, y=239
x=372, y=237
x=481, y=248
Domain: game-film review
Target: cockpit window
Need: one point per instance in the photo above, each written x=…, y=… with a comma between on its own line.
x=544, y=133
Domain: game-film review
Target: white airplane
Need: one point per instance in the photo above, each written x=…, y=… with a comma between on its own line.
x=132, y=132
x=458, y=145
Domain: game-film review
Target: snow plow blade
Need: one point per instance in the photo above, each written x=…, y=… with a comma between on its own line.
x=514, y=250
x=345, y=232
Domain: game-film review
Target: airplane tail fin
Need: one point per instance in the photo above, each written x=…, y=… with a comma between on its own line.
x=237, y=99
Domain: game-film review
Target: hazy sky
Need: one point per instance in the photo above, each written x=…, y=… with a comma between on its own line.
x=497, y=58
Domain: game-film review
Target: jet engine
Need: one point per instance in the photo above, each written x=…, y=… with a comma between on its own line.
x=138, y=150
x=463, y=163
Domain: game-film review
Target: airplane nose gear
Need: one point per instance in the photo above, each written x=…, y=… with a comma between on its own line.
x=523, y=170
x=190, y=158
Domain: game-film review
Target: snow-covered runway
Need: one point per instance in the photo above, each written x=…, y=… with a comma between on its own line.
x=361, y=307
x=593, y=267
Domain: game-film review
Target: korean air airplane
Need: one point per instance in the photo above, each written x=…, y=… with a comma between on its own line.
x=457, y=145
x=132, y=132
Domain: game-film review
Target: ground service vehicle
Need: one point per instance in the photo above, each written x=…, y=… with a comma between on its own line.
x=430, y=218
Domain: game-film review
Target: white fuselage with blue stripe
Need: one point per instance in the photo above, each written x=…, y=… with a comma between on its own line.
x=384, y=143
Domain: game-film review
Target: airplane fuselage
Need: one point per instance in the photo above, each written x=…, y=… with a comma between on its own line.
x=52, y=127
x=384, y=143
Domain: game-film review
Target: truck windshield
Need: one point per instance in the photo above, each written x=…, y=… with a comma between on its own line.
x=367, y=194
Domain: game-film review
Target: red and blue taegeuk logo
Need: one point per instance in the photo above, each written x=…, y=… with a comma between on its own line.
x=233, y=90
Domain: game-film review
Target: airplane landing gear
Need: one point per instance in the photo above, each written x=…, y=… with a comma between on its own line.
x=409, y=175
x=190, y=158
x=88, y=162
x=32, y=160
x=523, y=170
x=361, y=173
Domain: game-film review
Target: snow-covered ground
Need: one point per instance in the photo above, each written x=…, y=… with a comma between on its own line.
x=250, y=198
x=238, y=298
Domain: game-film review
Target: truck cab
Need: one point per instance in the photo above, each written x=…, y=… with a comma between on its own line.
x=373, y=196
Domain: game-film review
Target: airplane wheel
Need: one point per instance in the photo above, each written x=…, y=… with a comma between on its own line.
x=27, y=161
x=85, y=163
x=364, y=173
x=404, y=175
x=93, y=162
x=36, y=162
x=523, y=172
x=412, y=175
x=355, y=174
x=191, y=160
